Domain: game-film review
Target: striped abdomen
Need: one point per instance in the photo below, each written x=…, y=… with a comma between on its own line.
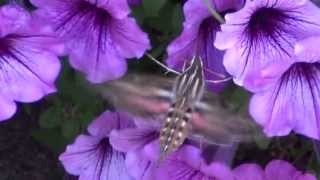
x=174, y=130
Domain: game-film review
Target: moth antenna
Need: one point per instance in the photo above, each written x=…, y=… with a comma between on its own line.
x=162, y=65
x=219, y=81
x=220, y=75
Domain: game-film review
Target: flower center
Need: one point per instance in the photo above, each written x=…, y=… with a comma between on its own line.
x=82, y=19
x=265, y=20
x=98, y=15
x=4, y=46
x=207, y=34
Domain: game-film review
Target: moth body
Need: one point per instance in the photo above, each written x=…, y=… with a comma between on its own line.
x=187, y=91
x=175, y=128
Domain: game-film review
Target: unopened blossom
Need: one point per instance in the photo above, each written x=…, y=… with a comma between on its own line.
x=197, y=37
x=91, y=157
x=29, y=64
x=99, y=34
x=264, y=32
x=290, y=99
x=274, y=170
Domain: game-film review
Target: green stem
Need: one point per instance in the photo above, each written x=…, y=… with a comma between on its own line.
x=214, y=13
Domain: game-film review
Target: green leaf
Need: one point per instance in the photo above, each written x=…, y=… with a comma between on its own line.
x=71, y=128
x=51, y=138
x=51, y=118
x=177, y=18
x=138, y=13
x=263, y=142
x=153, y=7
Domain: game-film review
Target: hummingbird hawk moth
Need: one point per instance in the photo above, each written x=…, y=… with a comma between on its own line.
x=186, y=108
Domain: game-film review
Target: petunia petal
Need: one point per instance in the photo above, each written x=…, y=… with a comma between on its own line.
x=131, y=139
x=13, y=18
x=228, y=5
x=26, y=67
x=7, y=108
x=117, y=8
x=114, y=169
x=93, y=158
x=128, y=38
x=98, y=66
x=248, y=172
x=195, y=19
x=272, y=170
x=78, y=156
x=291, y=104
x=45, y=3
x=139, y=166
x=219, y=171
x=306, y=51
x=107, y=121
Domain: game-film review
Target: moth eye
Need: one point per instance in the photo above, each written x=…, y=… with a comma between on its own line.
x=189, y=110
x=170, y=113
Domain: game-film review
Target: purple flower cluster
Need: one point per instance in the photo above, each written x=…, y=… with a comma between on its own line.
x=99, y=34
x=119, y=149
x=27, y=48
x=92, y=157
x=268, y=46
x=199, y=33
x=271, y=50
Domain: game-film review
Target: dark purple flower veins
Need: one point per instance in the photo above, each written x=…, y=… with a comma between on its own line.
x=207, y=34
x=300, y=78
x=4, y=46
x=9, y=53
x=83, y=20
x=271, y=28
x=103, y=154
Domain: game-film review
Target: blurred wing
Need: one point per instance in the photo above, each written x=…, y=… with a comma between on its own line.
x=216, y=125
x=141, y=95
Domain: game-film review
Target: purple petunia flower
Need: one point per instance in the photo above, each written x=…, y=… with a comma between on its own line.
x=141, y=143
x=92, y=157
x=98, y=34
x=133, y=141
x=264, y=32
x=186, y=163
x=291, y=98
x=199, y=33
x=275, y=170
x=27, y=49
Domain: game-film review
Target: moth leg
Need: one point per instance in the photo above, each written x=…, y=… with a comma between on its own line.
x=162, y=65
